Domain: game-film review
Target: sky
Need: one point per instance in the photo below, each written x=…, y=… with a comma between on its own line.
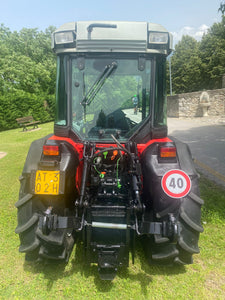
x=191, y=17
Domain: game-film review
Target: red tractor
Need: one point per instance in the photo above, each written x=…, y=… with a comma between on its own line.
x=108, y=174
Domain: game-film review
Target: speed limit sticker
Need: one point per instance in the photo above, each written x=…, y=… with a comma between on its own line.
x=176, y=183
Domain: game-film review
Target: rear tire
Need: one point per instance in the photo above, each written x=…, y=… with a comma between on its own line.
x=189, y=218
x=55, y=246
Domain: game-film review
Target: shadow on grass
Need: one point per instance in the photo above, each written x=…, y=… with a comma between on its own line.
x=141, y=272
x=51, y=271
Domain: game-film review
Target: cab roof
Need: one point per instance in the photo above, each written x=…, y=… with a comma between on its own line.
x=112, y=36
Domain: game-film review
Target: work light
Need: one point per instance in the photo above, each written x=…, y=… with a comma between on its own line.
x=65, y=37
x=158, y=37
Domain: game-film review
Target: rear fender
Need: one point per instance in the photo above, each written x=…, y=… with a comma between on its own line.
x=66, y=163
x=34, y=154
x=154, y=169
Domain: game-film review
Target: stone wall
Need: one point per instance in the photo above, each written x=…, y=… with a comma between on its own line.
x=188, y=105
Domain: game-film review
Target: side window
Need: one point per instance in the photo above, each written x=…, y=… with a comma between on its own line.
x=160, y=97
x=61, y=92
x=78, y=90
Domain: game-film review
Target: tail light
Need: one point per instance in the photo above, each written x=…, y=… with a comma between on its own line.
x=168, y=151
x=49, y=150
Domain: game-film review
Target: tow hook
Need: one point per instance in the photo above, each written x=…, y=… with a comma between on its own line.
x=170, y=228
x=48, y=222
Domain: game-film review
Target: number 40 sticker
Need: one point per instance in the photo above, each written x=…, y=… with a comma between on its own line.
x=176, y=183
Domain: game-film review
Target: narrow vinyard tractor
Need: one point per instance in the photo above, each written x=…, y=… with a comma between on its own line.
x=110, y=173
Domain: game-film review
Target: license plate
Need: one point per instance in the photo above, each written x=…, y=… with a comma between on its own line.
x=47, y=182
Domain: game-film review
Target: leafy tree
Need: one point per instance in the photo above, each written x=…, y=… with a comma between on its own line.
x=200, y=65
x=222, y=7
x=27, y=75
x=186, y=66
x=212, y=51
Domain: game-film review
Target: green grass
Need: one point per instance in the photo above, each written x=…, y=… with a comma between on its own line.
x=205, y=279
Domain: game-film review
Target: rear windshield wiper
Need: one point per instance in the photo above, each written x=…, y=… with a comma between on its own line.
x=90, y=95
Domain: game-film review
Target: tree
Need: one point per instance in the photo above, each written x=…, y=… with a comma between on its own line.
x=186, y=66
x=222, y=7
x=200, y=65
x=27, y=75
x=212, y=51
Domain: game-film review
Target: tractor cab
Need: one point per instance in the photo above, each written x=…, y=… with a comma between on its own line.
x=111, y=80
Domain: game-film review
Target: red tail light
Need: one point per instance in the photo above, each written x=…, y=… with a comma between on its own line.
x=167, y=152
x=51, y=150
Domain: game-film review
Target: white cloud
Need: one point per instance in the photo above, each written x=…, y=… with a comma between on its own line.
x=196, y=33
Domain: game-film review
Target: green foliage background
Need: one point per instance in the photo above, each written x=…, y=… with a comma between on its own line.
x=28, y=70
x=27, y=76
x=199, y=65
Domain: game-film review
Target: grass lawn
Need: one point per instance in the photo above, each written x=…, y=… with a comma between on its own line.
x=205, y=279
